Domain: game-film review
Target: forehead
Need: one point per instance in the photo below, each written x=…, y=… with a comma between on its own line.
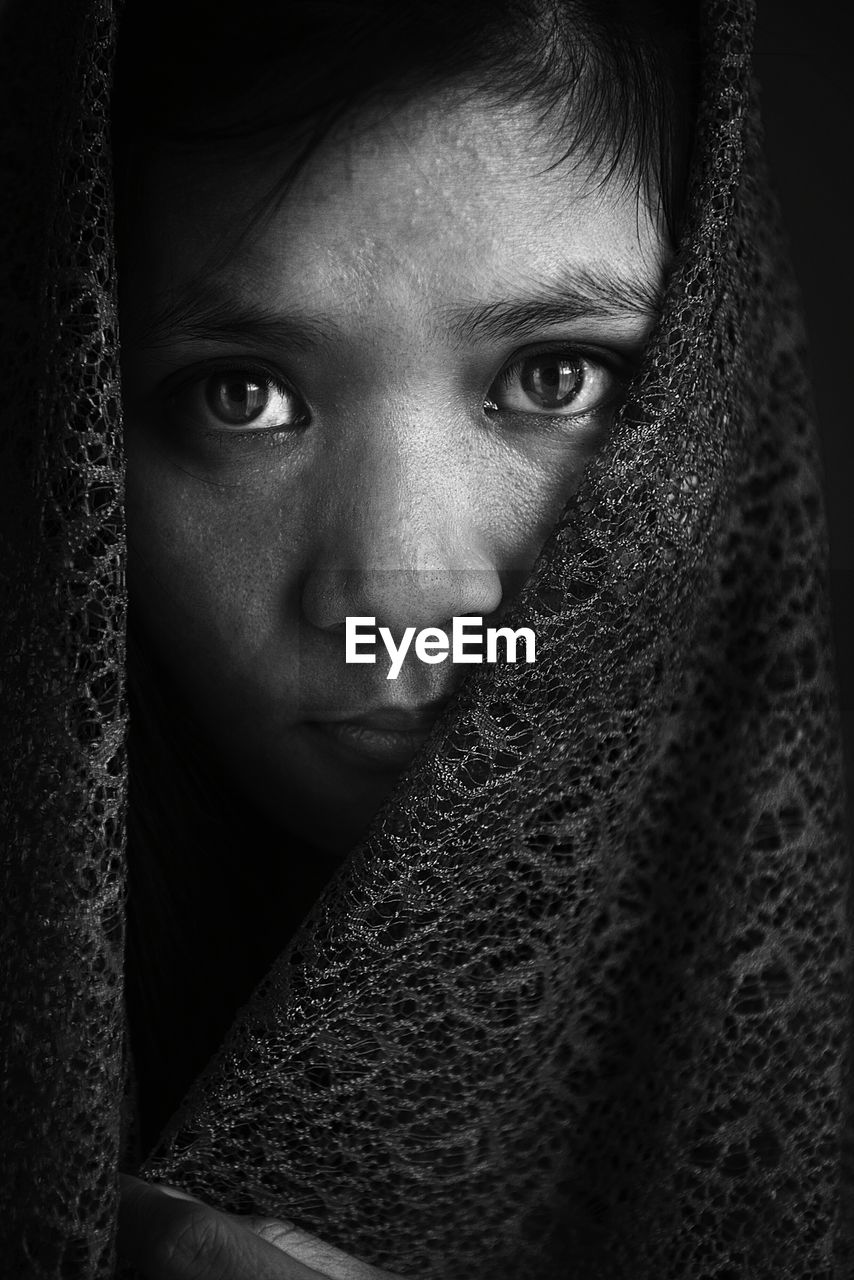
x=445, y=198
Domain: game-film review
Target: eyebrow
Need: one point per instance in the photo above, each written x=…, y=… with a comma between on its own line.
x=575, y=293
x=204, y=313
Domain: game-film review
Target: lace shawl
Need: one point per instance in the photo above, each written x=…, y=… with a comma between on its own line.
x=580, y=1003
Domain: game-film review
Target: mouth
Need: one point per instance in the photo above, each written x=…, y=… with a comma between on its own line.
x=384, y=739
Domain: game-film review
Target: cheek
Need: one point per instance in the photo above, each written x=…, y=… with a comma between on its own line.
x=542, y=468
x=217, y=560
x=210, y=577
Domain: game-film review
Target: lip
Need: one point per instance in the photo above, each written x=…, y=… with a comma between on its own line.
x=397, y=719
x=383, y=738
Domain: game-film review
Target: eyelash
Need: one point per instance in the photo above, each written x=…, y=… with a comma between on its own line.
x=618, y=365
x=259, y=373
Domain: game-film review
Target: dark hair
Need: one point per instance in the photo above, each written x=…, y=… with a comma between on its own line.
x=613, y=82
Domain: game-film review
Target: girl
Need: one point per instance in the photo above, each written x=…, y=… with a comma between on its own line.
x=423, y=320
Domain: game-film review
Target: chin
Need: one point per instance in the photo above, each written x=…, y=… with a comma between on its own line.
x=332, y=816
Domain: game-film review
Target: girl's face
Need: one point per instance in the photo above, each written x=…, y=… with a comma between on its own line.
x=372, y=401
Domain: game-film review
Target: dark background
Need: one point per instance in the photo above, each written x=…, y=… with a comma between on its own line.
x=806, y=104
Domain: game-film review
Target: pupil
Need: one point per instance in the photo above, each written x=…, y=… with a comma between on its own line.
x=552, y=382
x=237, y=399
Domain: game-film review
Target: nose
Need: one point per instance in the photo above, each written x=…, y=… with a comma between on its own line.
x=403, y=537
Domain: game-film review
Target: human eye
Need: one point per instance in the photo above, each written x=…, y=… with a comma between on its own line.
x=563, y=382
x=237, y=398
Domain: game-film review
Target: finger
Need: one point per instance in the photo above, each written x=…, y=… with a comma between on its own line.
x=177, y=1192
x=306, y=1248
x=169, y=1237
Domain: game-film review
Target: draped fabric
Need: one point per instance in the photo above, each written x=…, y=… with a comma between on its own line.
x=62, y=717
x=580, y=1002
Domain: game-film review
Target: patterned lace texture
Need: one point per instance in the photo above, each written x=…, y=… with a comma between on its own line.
x=62, y=716
x=580, y=1003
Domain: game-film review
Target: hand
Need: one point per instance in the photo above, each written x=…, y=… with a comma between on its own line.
x=168, y=1235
